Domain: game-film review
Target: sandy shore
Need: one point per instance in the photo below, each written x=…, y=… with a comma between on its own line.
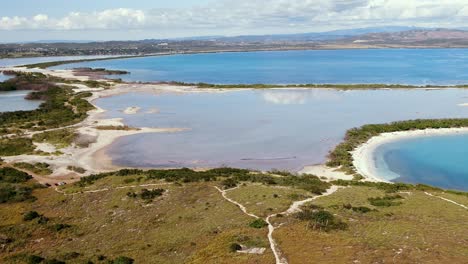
x=95, y=160
x=323, y=171
x=92, y=158
x=363, y=156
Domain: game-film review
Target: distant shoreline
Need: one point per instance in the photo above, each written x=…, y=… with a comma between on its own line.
x=44, y=65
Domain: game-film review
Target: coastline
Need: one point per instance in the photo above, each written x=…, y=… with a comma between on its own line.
x=95, y=160
x=92, y=158
x=363, y=156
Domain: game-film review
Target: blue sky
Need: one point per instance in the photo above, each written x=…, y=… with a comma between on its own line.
x=31, y=20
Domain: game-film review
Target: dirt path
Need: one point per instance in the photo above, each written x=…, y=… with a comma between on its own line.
x=224, y=194
x=116, y=188
x=448, y=200
x=294, y=208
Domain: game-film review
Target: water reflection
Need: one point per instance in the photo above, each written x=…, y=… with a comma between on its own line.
x=295, y=96
x=262, y=129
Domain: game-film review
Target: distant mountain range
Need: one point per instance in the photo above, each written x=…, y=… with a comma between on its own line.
x=304, y=37
x=362, y=38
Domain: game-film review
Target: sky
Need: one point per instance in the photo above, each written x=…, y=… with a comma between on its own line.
x=33, y=20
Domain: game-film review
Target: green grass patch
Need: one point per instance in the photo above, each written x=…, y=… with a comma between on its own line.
x=385, y=201
x=10, y=175
x=258, y=223
x=60, y=138
x=39, y=168
x=16, y=146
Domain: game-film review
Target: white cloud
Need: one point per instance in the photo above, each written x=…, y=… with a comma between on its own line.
x=247, y=16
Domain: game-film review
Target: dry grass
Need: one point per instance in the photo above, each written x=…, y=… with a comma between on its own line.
x=264, y=200
x=192, y=223
x=189, y=220
x=421, y=230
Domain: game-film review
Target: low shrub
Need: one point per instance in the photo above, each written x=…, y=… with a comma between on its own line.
x=385, y=201
x=234, y=247
x=31, y=215
x=321, y=219
x=123, y=260
x=10, y=175
x=258, y=223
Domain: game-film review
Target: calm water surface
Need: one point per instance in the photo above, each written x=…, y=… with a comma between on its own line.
x=398, y=66
x=437, y=160
x=262, y=129
x=14, y=101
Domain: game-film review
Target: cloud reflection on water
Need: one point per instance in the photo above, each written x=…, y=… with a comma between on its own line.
x=299, y=96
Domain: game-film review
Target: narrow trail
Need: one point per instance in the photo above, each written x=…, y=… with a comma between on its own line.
x=294, y=208
x=108, y=189
x=224, y=194
x=445, y=199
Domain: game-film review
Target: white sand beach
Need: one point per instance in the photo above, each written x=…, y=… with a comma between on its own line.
x=363, y=156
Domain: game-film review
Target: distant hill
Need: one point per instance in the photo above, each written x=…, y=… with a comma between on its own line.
x=305, y=37
x=432, y=37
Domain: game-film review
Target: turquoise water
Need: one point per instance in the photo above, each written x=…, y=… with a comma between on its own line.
x=14, y=101
x=438, y=161
x=262, y=129
x=397, y=66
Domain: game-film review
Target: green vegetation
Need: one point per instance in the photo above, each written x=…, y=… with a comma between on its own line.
x=358, y=209
x=341, y=156
x=24, y=81
x=314, y=86
x=126, y=128
x=321, y=219
x=16, y=146
x=99, y=71
x=60, y=138
x=14, y=186
x=57, y=111
x=31, y=215
x=39, y=168
x=385, y=201
x=10, y=175
x=258, y=223
x=76, y=169
x=307, y=182
x=123, y=260
x=61, y=108
x=234, y=247
x=195, y=219
x=146, y=194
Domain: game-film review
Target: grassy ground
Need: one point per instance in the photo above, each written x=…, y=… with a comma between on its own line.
x=192, y=223
x=264, y=200
x=420, y=230
x=189, y=223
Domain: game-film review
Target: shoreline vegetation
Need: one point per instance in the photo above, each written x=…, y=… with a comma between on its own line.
x=317, y=86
